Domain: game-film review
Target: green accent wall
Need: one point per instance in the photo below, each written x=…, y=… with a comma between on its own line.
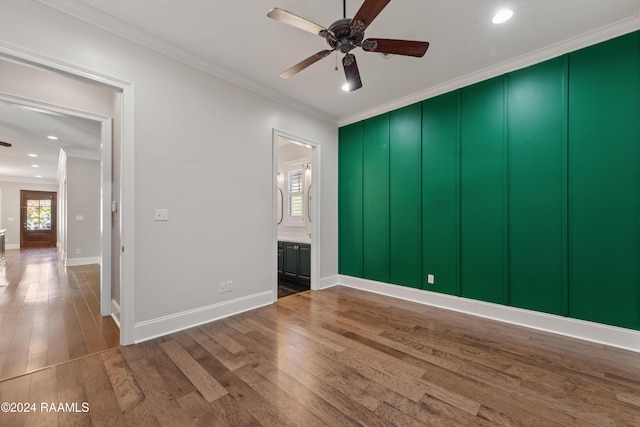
x=376, y=198
x=537, y=135
x=603, y=182
x=404, y=195
x=440, y=193
x=350, y=206
x=482, y=191
x=522, y=190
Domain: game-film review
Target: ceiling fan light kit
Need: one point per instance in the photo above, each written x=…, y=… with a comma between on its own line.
x=346, y=34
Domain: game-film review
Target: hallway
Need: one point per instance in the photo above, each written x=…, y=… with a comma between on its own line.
x=48, y=313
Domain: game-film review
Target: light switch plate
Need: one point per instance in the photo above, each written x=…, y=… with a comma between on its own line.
x=162, y=215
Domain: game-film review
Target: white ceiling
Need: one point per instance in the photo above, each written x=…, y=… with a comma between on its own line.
x=237, y=42
x=27, y=129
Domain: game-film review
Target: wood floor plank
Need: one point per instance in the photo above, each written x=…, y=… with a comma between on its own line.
x=162, y=402
x=199, y=377
x=201, y=413
x=338, y=357
x=44, y=389
x=124, y=384
x=104, y=408
x=47, y=312
x=299, y=414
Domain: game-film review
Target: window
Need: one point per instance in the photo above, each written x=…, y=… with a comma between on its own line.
x=295, y=193
x=39, y=214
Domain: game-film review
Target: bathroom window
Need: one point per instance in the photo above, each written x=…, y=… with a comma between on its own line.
x=295, y=193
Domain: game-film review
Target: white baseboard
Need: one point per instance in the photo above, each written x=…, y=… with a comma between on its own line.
x=627, y=339
x=73, y=262
x=12, y=246
x=328, y=282
x=115, y=312
x=149, y=329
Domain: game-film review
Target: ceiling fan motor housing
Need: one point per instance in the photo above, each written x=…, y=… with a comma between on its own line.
x=345, y=38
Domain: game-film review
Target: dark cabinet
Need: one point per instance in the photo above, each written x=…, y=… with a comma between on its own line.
x=294, y=262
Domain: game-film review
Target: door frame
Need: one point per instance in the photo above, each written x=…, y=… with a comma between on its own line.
x=126, y=198
x=23, y=215
x=314, y=211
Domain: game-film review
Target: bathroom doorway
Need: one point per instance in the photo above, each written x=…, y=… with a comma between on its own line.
x=296, y=215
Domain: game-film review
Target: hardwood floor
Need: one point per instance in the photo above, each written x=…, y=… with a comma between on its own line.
x=48, y=313
x=341, y=357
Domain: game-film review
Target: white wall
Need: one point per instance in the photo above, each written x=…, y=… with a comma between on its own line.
x=10, y=193
x=53, y=88
x=203, y=150
x=83, y=211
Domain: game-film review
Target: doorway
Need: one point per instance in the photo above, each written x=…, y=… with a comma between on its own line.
x=296, y=214
x=121, y=109
x=38, y=222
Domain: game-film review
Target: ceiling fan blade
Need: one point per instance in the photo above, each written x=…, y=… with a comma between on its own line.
x=5, y=144
x=366, y=14
x=397, y=47
x=351, y=72
x=299, y=22
x=304, y=64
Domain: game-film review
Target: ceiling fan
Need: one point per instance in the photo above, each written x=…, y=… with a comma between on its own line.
x=346, y=34
x=4, y=144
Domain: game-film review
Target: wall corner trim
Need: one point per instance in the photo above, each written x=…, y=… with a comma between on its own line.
x=165, y=325
x=626, y=339
x=328, y=282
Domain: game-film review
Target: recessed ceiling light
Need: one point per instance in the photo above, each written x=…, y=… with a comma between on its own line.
x=32, y=155
x=345, y=87
x=35, y=166
x=52, y=137
x=502, y=16
x=38, y=176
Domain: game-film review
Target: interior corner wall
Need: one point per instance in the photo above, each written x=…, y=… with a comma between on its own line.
x=83, y=211
x=529, y=189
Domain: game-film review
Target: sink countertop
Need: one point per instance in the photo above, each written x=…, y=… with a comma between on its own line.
x=294, y=239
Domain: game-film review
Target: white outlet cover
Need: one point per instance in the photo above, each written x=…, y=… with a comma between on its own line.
x=431, y=279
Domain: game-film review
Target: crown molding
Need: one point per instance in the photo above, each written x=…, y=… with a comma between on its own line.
x=591, y=38
x=129, y=32
x=109, y=23
x=28, y=180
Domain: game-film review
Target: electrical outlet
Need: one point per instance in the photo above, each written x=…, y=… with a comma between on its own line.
x=78, y=251
x=229, y=285
x=223, y=287
x=431, y=279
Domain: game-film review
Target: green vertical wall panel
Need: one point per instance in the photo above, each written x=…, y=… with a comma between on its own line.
x=482, y=188
x=404, y=196
x=376, y=198
x=440, y=207
x=350, y=200
x=537, y=114
x=521, y=190
x=603, y=182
